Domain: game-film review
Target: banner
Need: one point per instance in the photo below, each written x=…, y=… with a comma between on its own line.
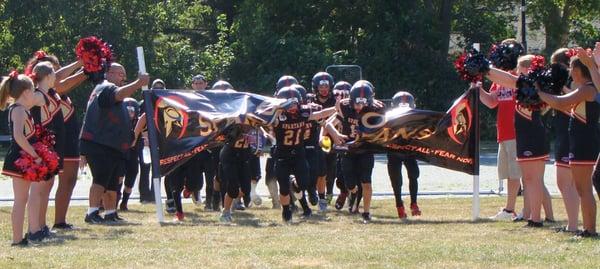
x=188, y=122
x=447, y=140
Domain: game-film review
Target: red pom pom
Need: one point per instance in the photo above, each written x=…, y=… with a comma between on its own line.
x=538, y=62
x=40, y=54
x=571, y=52
x=94, y=52
x=13, y=74
x=459, y=65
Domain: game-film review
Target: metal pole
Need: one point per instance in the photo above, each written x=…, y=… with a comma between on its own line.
x=152, y=139
x=523, y=25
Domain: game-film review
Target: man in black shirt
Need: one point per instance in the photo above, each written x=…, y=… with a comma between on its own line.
x=105, y=138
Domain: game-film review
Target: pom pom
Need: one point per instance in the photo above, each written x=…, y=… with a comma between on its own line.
x=472, y=66
x=33, y=171
x=96, y=56
x=549, y=80
x=40, y=54
x=571, y=52
x=538, y=62
x=45, y=135
x=527, y=96
x=506, y=55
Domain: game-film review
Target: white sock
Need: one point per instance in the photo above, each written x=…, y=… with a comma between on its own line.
x=107, y=212
x=253, y=189
x=92, y=210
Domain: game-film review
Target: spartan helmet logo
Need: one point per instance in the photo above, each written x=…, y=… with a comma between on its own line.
x=171, y=117
x=461, y=122
x=173, y=114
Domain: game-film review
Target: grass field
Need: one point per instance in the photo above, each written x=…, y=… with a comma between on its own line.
x=443, y=237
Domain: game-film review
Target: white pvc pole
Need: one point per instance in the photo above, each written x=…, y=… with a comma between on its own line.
x=475, y=202
x=155, y=178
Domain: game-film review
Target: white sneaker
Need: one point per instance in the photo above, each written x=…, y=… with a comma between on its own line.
x=256, y=199
x=503, y=215
x=518, y=217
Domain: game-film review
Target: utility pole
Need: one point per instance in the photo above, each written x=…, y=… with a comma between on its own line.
x=523, y=25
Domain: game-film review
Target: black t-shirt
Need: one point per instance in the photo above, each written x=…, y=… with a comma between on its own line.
x=330, y=102
x=350, y=118
x=289, y=132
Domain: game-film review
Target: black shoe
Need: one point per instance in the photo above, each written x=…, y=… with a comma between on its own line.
x=123, y=207
x=564, y=229
x=36, y=237
x=94, y=218
x=216, y=203
x=586, y=234
x=170, y=206
x=313, y=197
x=533, y=224
x=293, y=207
x=286, y=215
x=113, y=217
x=247, y=200
x=351, y=202
x=366, y=216
x=239, y=206
x=63, y=226
x=307, y=213
x=47, y=232
x=23, y=243
x=549, y=220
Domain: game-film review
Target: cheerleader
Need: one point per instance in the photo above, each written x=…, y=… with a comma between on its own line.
x=560, y=121
x=47, y=114
x=67, y=78
x=20, y=89
x=584, y=135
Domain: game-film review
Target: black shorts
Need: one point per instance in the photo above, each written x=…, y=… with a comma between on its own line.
x=297, y=166
x=357, y=168
x=531, y=138
x=71, y=148
x=188, y=174
x=583, y=145
x=315, y=159
x=131, y=168
x=235, y=173
x=106, y=165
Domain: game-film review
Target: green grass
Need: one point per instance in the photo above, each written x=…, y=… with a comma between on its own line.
x=443, y=237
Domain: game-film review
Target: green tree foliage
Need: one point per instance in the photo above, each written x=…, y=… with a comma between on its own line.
x=399, y=44
x=566, y=20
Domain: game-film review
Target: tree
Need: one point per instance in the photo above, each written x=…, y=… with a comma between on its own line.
x=564, y=19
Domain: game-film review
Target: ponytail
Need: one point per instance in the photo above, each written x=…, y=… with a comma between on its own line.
x=4, y=92
x=12, y=87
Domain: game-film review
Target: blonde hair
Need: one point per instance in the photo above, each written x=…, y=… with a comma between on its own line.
x=12, y=88
x=42, y=70
x=525, y=60
x=577, y=63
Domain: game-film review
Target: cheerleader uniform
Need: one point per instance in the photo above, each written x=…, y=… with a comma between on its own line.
x=531, y=135
x=584, y=134
x=50, y=116
x=561, y=143
x=71, y=149
x=13, y=154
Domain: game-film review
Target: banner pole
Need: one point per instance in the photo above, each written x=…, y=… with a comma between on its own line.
x=475, y=202
x=152, y=139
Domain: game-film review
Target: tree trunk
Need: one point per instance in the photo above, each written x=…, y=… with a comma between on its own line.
x=445, y=25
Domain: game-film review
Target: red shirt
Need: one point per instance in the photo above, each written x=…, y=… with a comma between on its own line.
x=506, y=112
